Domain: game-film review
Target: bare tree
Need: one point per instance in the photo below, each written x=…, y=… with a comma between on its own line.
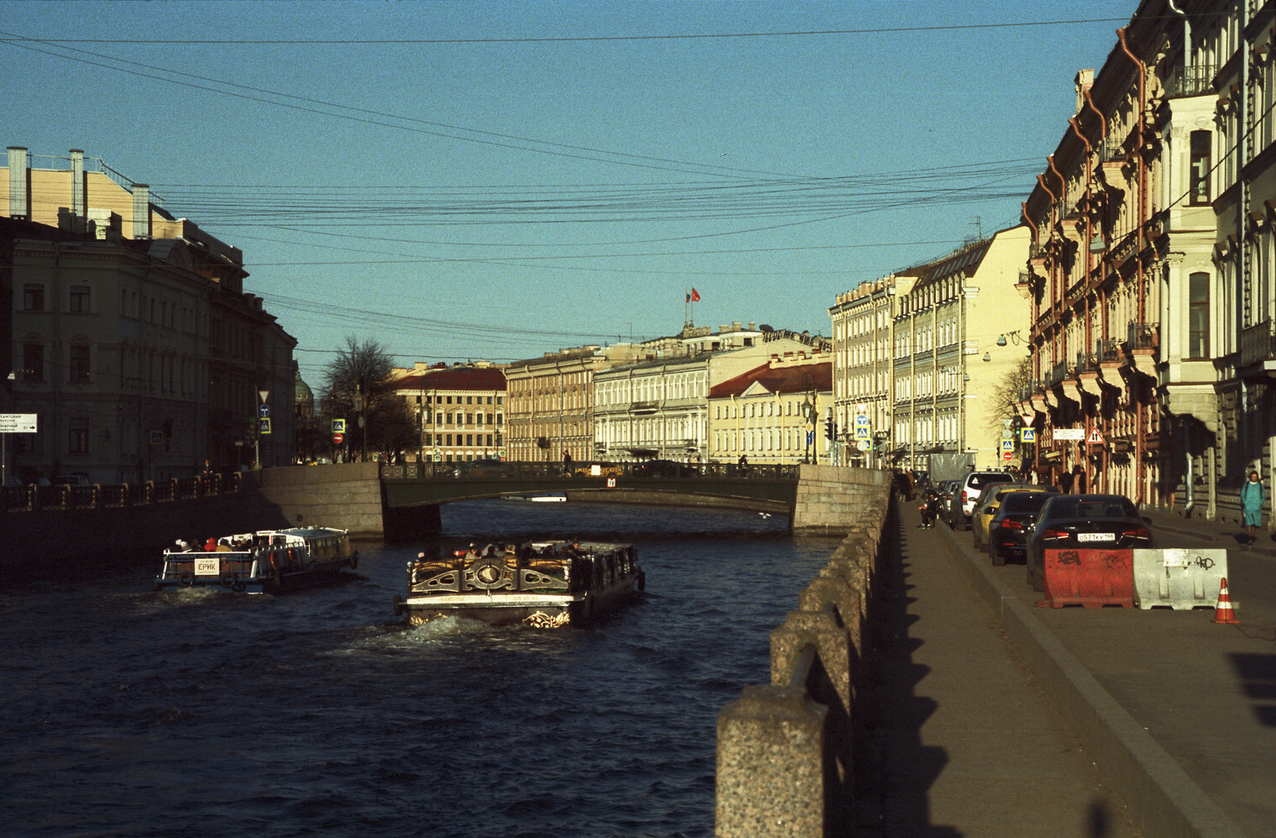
x=1005, y=393
x=363, y=368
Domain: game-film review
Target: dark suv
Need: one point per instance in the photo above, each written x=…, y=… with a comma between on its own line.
x=967, y=492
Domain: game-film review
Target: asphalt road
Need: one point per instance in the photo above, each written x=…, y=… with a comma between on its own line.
x=1192, y=712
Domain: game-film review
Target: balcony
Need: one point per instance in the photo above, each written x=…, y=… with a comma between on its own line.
x=1142, y=340
x=1191, y=81
x=1258, y=343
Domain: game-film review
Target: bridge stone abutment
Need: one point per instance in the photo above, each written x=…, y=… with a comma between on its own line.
x=831, y=500
x=342, y=495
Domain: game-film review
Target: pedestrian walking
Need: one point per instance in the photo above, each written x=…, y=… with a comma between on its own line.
x=1253, y=498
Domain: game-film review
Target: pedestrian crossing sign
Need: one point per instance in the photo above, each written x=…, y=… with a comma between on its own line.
x=861, y=431
x=1028, y=434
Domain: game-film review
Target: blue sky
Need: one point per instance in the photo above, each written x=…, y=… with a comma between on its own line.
x=497, y=180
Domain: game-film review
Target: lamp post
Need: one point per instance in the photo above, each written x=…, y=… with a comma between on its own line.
x=360, y=406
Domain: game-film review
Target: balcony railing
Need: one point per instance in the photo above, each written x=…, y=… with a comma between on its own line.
x=1058, y=373
x=1109, y=350
x=1191, y=81
x=1141, y=336
x=1258, y=342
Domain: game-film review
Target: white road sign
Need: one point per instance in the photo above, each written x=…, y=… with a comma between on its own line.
x=18, y=423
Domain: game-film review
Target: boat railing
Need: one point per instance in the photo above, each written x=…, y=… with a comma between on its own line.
x=512, y=571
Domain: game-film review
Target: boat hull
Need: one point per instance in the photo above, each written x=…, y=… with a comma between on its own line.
x=546, y=585
x=531, y=609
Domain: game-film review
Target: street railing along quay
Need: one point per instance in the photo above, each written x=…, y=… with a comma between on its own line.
x=784, y=755
x=516, y=469
x=35, y=498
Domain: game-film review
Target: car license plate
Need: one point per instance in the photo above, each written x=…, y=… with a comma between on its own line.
x=1096, y=536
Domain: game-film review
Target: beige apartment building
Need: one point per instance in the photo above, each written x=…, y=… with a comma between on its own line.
x=774, y=413
x=460, y=410
x=129, y=335
x=958, y=329
x=550, y=409
x=863, y=321
x=658, y=407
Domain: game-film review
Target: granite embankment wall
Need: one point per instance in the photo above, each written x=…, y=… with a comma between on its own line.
x=784, y=755
x=54, y=542
x=342, y=495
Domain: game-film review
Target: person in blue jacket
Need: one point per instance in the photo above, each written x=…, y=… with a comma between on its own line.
x=1253, y=498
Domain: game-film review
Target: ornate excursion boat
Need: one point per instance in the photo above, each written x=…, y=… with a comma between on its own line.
x=546, y=584
x=260, y=562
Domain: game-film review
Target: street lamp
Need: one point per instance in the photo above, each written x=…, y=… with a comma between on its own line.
x=359, y=406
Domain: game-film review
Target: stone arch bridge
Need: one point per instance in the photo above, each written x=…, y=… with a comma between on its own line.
x=401, y=502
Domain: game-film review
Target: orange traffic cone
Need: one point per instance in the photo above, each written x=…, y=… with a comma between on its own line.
x=1223, y=612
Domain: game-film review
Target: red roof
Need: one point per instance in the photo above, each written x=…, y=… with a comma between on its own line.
x=454, y=378
x=785, y=379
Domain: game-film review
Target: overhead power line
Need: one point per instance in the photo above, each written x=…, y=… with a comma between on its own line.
x=685, y=36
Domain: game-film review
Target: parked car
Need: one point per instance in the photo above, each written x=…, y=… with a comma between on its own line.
x=664, y=468
x=962, y=502
x=1080, y=522
x=77, y=479
x=483, y=467
x=1009, y=529
x=990, y=501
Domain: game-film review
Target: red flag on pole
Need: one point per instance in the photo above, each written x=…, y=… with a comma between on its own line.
x=695, y=295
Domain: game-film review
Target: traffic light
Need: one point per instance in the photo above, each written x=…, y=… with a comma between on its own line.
x=830, y=429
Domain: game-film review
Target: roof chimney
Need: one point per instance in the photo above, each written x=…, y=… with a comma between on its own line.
x=1083, y=82
x=79, y=185
x=19, y=183
x=141, y=211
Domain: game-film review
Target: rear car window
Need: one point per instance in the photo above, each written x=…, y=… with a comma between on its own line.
x=1026, y=501
x=978, y=480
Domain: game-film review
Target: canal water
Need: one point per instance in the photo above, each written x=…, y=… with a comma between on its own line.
x=131, y=713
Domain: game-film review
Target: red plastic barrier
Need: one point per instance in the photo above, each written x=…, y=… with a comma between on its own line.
x=1091, y=578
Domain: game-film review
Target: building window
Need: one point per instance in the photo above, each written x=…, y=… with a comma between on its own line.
x=33, y=298
x=1198, y=316
x=1198, y=190
x=79, y=363
x=79, y=299
x=77, y=441
x=33, y=362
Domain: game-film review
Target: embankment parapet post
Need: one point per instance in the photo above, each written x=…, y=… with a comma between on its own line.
x=770, y=780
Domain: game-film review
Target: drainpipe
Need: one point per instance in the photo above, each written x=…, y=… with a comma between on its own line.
x=1102, y=294
x=1140, y=290
x=1088, y=340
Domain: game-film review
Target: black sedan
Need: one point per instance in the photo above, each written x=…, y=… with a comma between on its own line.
x=664, y=468
x=1009, y=529
x=1084, y=522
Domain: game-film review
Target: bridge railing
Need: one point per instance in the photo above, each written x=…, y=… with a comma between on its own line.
x=784, y=751
x=523, y=469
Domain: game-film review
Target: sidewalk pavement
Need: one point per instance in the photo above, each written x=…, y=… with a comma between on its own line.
x=1179, y=713
x=957, y=738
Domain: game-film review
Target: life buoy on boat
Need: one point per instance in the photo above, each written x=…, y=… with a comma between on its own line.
x=228, y=580
x=186, y=580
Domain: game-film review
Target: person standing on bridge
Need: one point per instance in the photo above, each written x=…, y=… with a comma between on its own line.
x=1253, y=498
x=567, y=461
